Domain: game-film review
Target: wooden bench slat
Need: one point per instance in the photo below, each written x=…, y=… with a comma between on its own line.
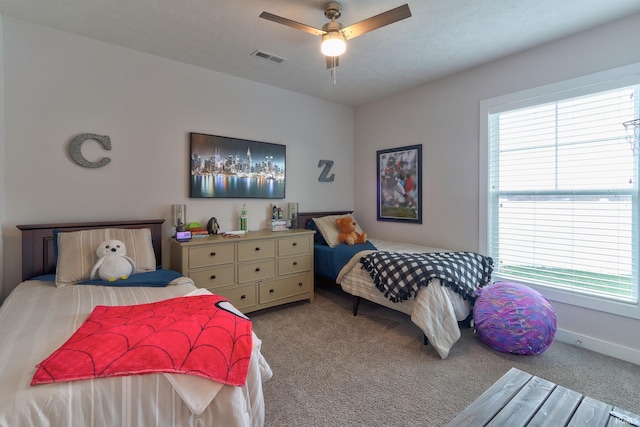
x=591, y=412
x=485, y=407
x=524, y=404
x=558, y=408
x=616, y=422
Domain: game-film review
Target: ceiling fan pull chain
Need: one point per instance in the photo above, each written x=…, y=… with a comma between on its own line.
x=333, y=70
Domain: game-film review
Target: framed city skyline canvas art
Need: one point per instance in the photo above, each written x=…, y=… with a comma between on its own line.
x=227, y=167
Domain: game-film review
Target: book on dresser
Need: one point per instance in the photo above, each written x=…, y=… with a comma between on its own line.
x=256, y=270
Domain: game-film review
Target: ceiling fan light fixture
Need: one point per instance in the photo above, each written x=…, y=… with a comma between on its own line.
x=334, y=35
x=333, y=44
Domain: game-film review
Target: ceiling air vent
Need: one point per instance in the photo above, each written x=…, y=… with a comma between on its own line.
x=268, y=56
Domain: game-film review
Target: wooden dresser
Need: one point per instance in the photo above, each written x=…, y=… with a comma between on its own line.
x=258, y=270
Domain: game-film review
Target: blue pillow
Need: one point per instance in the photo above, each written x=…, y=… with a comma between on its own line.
x=154, y=279
x=318, y=238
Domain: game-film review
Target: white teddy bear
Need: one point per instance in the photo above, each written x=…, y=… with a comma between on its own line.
x=113, y=262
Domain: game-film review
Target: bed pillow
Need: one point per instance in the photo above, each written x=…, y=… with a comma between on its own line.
x=317, y=237
x=329, y=229
x=77, y=251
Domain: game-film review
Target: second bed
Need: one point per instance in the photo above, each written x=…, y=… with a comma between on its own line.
x=436, y=309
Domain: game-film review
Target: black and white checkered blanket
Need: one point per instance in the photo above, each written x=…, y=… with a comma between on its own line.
x=399, y=275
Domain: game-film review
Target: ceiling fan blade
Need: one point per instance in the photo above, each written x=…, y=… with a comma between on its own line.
x=385, y=18
x=332, y=61
x=293, y=24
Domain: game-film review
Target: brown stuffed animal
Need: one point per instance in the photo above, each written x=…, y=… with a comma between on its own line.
x=348, y=234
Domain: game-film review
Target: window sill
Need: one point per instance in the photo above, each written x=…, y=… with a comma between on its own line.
x=629, y=310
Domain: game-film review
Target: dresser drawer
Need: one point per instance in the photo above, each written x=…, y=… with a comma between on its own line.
x=256, y=271
x=241, y=296
x=293, y=245
x=295, y=264
x=204, y=256
x=284, y=288
x=256, y=249
x=214, y=277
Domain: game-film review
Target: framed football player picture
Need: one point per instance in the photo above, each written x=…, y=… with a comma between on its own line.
x=399, y=184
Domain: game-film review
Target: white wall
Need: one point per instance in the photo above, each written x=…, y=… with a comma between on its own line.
x=60, y=85
x=444, y=117
x=2, y=173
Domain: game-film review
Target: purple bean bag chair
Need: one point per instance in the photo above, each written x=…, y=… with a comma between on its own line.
x=514, y=318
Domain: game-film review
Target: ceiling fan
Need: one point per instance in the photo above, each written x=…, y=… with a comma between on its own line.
x=334, y=35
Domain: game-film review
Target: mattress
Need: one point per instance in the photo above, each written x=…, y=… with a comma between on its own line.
x=328, y=261
x=38, y=317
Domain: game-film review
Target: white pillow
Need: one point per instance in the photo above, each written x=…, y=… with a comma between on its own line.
x=77, y=251
x=329, y=229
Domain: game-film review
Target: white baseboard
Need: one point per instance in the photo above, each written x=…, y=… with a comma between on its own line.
x=599, y=346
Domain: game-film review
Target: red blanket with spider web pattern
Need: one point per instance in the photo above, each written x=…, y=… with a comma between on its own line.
x=198, y=335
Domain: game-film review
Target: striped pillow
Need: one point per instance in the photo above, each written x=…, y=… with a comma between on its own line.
x=77, y=252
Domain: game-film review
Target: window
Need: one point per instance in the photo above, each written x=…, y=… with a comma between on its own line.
x=562, y=190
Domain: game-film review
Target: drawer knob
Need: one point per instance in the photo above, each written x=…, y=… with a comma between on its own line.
x=243, y=297
x=212, y=254
x=258, y=248
x=295, y=243
x=271, y=291
x=300, y=284
x=295, y=262
x=257, y=269
x=213, y=276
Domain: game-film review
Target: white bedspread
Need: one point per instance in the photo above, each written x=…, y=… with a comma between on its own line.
x=436, y=309
x=37, y=318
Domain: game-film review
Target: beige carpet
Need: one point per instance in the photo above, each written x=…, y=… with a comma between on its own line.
x=333, y=369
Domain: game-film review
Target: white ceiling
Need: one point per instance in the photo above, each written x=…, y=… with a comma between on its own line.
x=442, y=36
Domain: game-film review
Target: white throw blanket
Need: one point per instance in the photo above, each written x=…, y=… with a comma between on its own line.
x=198, y=392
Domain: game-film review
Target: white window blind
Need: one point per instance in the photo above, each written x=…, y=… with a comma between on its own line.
x=563, y=194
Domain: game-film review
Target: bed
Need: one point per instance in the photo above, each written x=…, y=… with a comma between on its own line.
x=40, y=314
x=439, y=311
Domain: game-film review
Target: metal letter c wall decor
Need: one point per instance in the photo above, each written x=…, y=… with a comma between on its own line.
x=75, y=150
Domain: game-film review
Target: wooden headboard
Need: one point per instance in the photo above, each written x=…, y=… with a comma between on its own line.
x=38, y=255
x=305, y=217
